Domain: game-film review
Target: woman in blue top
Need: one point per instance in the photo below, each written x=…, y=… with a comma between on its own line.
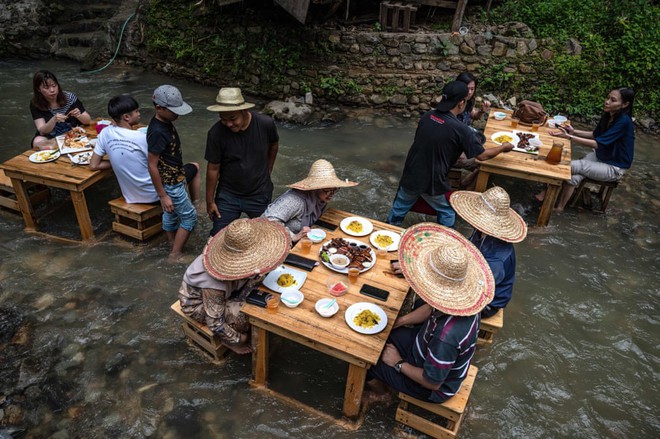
x=613, y=143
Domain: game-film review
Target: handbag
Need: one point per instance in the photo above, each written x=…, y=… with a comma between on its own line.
x=530, y=111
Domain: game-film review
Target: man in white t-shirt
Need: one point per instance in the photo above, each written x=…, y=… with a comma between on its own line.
x=127, y=149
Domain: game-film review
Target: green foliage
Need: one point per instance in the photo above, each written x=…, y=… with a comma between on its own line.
x=335, y=86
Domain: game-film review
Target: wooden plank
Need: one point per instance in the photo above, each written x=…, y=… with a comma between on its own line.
x=297, y=8
x=82, y=213
x=24, y=204
x=354, y=390
x=458, y=15
x=259, y=355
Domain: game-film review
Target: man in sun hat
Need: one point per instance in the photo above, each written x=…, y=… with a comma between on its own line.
x=168, y=173
x=439, y=141
x=234, y=262
x=430, y=360
x=240, y=150
x=299, y=208
x=496, y=228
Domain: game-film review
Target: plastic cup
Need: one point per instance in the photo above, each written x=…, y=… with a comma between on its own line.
x=535, y=125
x=381, y=252
x=353, y=274
x=273, y=302
x=305, y=246
x=514, y=122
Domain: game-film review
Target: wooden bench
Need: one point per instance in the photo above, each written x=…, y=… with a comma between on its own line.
x=605, y=189
x=200, y=336
x=396, y=16
x=37, y=193
x=451, y=411
x=458, y=5
x=139, y=221
x=489, y=326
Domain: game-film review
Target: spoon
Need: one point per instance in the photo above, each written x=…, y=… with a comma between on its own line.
x=329, y=305
x=292, y=302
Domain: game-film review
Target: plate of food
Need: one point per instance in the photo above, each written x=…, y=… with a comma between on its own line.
x=44, y=156
x=523, y=143
x=73, y=141
x=356, y=226
x=284, y=278
x=385, y=239
x=359, y=253
x=501, y=137
x=366, y=318
x=81, y=159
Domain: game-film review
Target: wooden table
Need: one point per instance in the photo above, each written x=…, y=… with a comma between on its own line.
x=59, y=174
x=331, y=336
x=526, y=166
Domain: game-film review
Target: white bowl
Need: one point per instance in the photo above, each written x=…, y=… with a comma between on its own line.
x=559, y=119
x=498, y=115
x=292, y=298
x=316, y=235
x=326, y=312
x=339, y=261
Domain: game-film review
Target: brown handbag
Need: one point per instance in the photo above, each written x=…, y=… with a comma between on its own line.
x=530, y=111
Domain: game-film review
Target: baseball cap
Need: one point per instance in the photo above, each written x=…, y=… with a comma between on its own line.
x=169, y=97
x=452, y=93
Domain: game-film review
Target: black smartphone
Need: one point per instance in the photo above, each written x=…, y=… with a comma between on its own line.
x=376, y=293
x=325, y=225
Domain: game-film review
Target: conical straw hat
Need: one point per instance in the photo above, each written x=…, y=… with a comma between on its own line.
x=321, y=176
x=446, y=269
x=246, y=247
x=490, y=213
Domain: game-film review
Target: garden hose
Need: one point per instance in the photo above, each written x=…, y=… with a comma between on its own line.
x=121, y=35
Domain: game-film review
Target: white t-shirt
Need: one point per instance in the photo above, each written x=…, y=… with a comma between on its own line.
x=128, y=154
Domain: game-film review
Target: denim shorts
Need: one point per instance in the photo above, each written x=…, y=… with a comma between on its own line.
x=184, y=214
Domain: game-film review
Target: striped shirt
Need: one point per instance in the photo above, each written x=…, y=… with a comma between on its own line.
x=444, y=348
x=72, y=102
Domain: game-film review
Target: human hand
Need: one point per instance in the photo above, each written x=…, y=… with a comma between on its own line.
x=390, y=355
x=398, y=322
x=559, y=133
x=485, y=106
x=506, y=147
x=74, y=113
x=212, y=210
x=59, y=117
x=166, y=203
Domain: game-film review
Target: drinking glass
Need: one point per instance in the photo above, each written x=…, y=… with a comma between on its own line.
x=353, y=274
x=305, y=245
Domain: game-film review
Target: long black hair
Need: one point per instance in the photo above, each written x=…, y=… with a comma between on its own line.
x=41, y=78
x=466, y=78
x=627, y=96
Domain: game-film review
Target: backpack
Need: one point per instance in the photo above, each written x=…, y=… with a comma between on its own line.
x=529, y=111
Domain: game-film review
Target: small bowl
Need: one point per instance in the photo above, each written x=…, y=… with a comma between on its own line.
x=498, y=115
x=316, y=235
x=337, y=286
x=339, y=261
x=560, y=119
x=292, y=298
x=535, y=142
x=326, y=312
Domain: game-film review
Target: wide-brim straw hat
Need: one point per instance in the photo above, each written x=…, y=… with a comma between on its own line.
x=246, y=247
x=230, y=99
x=321, y=176
x=490, y=212
x=445, y=269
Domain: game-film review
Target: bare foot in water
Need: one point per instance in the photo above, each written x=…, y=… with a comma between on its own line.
x=371, y=397
x=240, y=349
x=540, y=196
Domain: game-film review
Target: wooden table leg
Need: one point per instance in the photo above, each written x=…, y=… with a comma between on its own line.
x=24, y=204
x=82, y=213
x=548, y=204
x=482, y=181
x=354, y=388
x=259, y=355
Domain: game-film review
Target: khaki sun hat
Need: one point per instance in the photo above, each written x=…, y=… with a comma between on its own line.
x=230, y=99
x=489, y=212
x=246, y=247
x=321, y=176
x=446, y=269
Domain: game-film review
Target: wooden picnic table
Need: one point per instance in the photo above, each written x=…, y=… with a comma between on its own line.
x=526, y=166
x=331, y=336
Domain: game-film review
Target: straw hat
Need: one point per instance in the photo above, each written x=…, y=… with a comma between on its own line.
x=490, y=213
x=246, y=247
x=321, y=176
x=446, y=269
x=230, y=99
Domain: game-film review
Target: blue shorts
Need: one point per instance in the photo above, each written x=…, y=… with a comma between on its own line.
x=184, y=214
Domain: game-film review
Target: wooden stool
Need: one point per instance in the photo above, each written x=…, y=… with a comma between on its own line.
x=604, y=192
x=139, y=221
x=489, y=326
x=396, y=16
x=452, y=410
x=37, y=193
x=201, y=336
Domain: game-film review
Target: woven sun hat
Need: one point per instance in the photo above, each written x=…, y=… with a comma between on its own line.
x=446, y=269
x=246, y=247
x=230, y=99
x=321, y=176
x=489, y=212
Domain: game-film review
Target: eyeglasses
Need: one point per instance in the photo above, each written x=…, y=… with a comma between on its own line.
x=330, y=191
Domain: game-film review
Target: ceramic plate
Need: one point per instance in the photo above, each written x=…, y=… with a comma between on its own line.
x=395, y=239
x=529, y=149
x=365, y=226
x=514, y=138
x=82, y=158
x=354, y=310
x=46, y=156
x=345, y=270
x=271, y=279
x=80, y=145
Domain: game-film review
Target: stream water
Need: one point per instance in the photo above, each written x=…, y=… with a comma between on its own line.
x=89, y=346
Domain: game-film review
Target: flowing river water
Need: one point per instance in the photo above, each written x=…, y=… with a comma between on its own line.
x=89, y=346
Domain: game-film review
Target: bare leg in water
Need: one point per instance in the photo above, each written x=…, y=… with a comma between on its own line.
x=565, y=195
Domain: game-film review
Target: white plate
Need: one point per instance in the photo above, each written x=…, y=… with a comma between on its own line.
x=367, y=226
x=536, y=136
x=395, y=239
x=82, y=158
x=345, y=270
x=504, y=133
x=68, y=150
x=271, y=279
x=357, y=308
x=45, y=156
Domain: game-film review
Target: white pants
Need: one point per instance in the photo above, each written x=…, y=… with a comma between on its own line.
x=589, y=166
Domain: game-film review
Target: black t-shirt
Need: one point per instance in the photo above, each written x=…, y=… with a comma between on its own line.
x=439, y=141
x=243, y=156
x=162, y=139
x=72, y=102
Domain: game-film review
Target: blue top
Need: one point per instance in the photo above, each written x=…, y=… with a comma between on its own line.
x=501, y=258
x=616, y=144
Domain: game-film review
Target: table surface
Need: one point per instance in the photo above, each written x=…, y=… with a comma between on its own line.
x=333, y=335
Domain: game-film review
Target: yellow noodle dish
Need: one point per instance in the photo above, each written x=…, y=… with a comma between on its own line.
x=383, y=241
x=286, y=280
x=366, y=319
x=355, y=226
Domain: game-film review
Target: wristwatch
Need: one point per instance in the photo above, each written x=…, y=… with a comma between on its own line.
x=399, y=365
